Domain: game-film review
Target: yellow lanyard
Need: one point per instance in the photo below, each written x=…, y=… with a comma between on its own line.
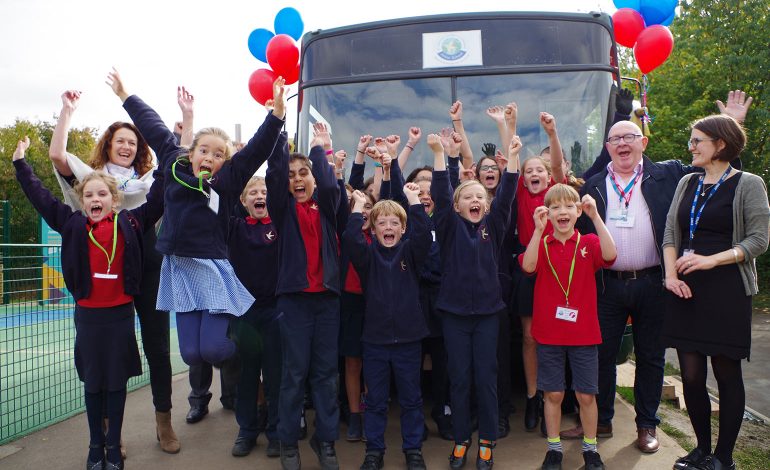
x=111, y=257
x=571, y=269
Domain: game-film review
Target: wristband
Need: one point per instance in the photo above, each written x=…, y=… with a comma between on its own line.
x=409, y=147
x=735, y=255
x=360, y=151
x=378, y=164
x=456, y=120
x=330, y=152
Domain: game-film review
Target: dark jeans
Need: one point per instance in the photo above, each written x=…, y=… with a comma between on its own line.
x=435, y=348
x=471, y=341
x=504, y=387
x=405, y=360
x=257, y=336
x=155, y=339
x=643, y=300
x=310, y=325
x=200, y=382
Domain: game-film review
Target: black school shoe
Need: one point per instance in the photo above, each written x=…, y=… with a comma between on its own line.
x=243, y=446
x=485, y=464
x=444, y=425
x=532, y=412
x=414, y=460
x=273, y=449
x=593, y=461
x=327, y=456
x=196, y=414
x=692, y=460
x=290, y=458
x=373, y=461
x=503, y=427
x=713, y=463
x=552, y=460
x=459, y=455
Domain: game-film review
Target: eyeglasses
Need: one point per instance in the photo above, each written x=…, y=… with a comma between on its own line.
x=692, y=143
x=488, y=167
x=627, y=138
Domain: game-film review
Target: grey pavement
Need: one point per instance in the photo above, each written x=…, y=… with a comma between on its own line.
x=755, y=372
x=207, y=444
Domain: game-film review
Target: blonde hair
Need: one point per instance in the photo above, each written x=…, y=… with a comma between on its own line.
x=465, y=184
x=561, y=193
x=387, y=207
x=216, y=132
x=112, y=185
x=536, y=157
x=253, y=181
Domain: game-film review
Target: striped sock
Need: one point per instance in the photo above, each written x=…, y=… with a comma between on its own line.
x=589, y=445
x=554, y=443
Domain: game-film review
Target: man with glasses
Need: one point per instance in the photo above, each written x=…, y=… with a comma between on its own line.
x=633, y=195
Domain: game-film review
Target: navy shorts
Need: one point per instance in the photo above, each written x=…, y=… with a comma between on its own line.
x=524, y=297
x=551, y=364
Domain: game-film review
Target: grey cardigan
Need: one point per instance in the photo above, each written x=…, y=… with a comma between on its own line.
x=751, y=223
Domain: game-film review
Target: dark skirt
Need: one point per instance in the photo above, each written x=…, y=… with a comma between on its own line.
x=106, y=353
x=352, y=308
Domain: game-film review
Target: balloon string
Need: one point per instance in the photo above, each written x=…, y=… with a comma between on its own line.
x=646, y=118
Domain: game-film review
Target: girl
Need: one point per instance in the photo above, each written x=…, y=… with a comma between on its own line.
x=470, y=240
x=204, y=184
x=102, y=267
x=536, y=177
x=123, y=153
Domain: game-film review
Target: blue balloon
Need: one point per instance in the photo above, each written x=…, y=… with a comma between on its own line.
x=656, y=11
x=669, y=20
x=288, y=21
x=632, y=4
x=258, y=40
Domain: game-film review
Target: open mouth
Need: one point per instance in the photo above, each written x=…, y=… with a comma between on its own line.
x=299, y=191
x=624, y=153
x=96, y=211
x=365, y=217
x=475, y=212
x=562, y=222
x=534, y=183
x=389, y=238
x=205, y=168
x=260, y=205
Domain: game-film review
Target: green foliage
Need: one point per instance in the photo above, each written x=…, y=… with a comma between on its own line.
x=24, y=219
x=718, y=46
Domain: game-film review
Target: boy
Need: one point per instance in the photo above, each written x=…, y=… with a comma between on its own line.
x=303, y=203
x=565, y=322
x=394, y=326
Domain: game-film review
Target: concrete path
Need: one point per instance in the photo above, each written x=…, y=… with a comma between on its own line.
x=206, y=445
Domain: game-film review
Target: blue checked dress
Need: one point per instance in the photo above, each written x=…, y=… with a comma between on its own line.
x=188, y=284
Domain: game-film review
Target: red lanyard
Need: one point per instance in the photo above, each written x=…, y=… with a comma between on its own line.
x=625, y=194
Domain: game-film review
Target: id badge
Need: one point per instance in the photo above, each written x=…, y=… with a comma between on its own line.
x=626, y=222
x=688, y=251
x=617, y=215
x=566, y=313
x=213, y=201
x=105, y=276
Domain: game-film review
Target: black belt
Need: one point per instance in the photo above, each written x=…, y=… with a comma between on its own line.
x=638, y=274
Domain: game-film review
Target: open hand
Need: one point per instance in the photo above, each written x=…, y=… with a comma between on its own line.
x=185, y=99
x=678, y=287
x=737, y=105
x=321, y=136
x=279, y=98
x=116, y=83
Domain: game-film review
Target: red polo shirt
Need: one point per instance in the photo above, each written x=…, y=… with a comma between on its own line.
x=546, y=328
x=526, y=203
x=105, y=292
x=309, y=218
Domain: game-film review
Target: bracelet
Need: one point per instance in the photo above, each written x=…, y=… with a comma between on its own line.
x=735, y=255
x=360, y=151
x=409, y=147
x=330, y=152
x=378, y=164
x=456, y=120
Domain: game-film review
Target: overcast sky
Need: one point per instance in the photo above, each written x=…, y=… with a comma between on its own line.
x=48, y=46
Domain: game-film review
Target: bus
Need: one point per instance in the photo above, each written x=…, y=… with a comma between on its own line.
x=383, y=77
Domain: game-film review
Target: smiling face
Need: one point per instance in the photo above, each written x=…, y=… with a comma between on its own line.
x=563, y=214
x=488, y=173
x=366, y=213
x=535, y=175
x=388, y=229
x=471, y=201
x=425, y=198
x=123, y=147
x=703, y=153
x=97, y=200
x=301, y=180
x=254, y=199
x=626, y=156
x=208, y=154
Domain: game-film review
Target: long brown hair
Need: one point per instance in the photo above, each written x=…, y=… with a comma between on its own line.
x=101, y=154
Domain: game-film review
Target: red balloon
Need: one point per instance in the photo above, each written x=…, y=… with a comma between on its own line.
x=292, y=76
x=261, y=85
x=627, y=24
x=282, y=54
x=653, y=46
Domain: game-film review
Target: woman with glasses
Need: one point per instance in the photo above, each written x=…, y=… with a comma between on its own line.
x=716, y=227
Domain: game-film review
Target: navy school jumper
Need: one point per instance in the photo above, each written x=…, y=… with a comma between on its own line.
x=469, y=252
x=292, y=272
x=72, y=225
x=190, y=229
x=390, y=279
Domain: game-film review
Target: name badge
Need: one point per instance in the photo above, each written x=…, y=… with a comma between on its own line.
x=567, y=314
x=105, y=276
x=433, y=232
x=688, y=252
x=619, y=214
x=627, y=222
x=213, y=201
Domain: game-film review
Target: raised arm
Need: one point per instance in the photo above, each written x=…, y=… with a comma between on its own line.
x=418, y=224
x=557, y=156
x=353, y=240
x=356, y=179
x=186, y=103
x=456, y=113
x=497, y=114
x=323, y=171
x=737, y=105
x=529, y=258
x=57, y=152
x=415, y=133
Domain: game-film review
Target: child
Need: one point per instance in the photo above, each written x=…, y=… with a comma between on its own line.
x=303, y=203
x=254, y=253
x=469, y=298
x=565, y=321
x=536, y=177
x=393, y=324
x=204, y=183
x=102, y=267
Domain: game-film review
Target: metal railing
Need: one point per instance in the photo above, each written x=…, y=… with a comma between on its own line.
x=39, y=385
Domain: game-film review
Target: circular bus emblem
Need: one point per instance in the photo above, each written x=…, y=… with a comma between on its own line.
x=452, y=48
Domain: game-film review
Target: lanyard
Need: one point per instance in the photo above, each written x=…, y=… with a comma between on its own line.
x=111, y=257
x=695, y=218
x=571, y=268
x=200, y=179
x=625, y=194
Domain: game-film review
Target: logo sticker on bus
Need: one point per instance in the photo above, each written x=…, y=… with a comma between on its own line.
x=451, y=49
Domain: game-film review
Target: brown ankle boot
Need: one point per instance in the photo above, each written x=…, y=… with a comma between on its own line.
x=166, y=435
